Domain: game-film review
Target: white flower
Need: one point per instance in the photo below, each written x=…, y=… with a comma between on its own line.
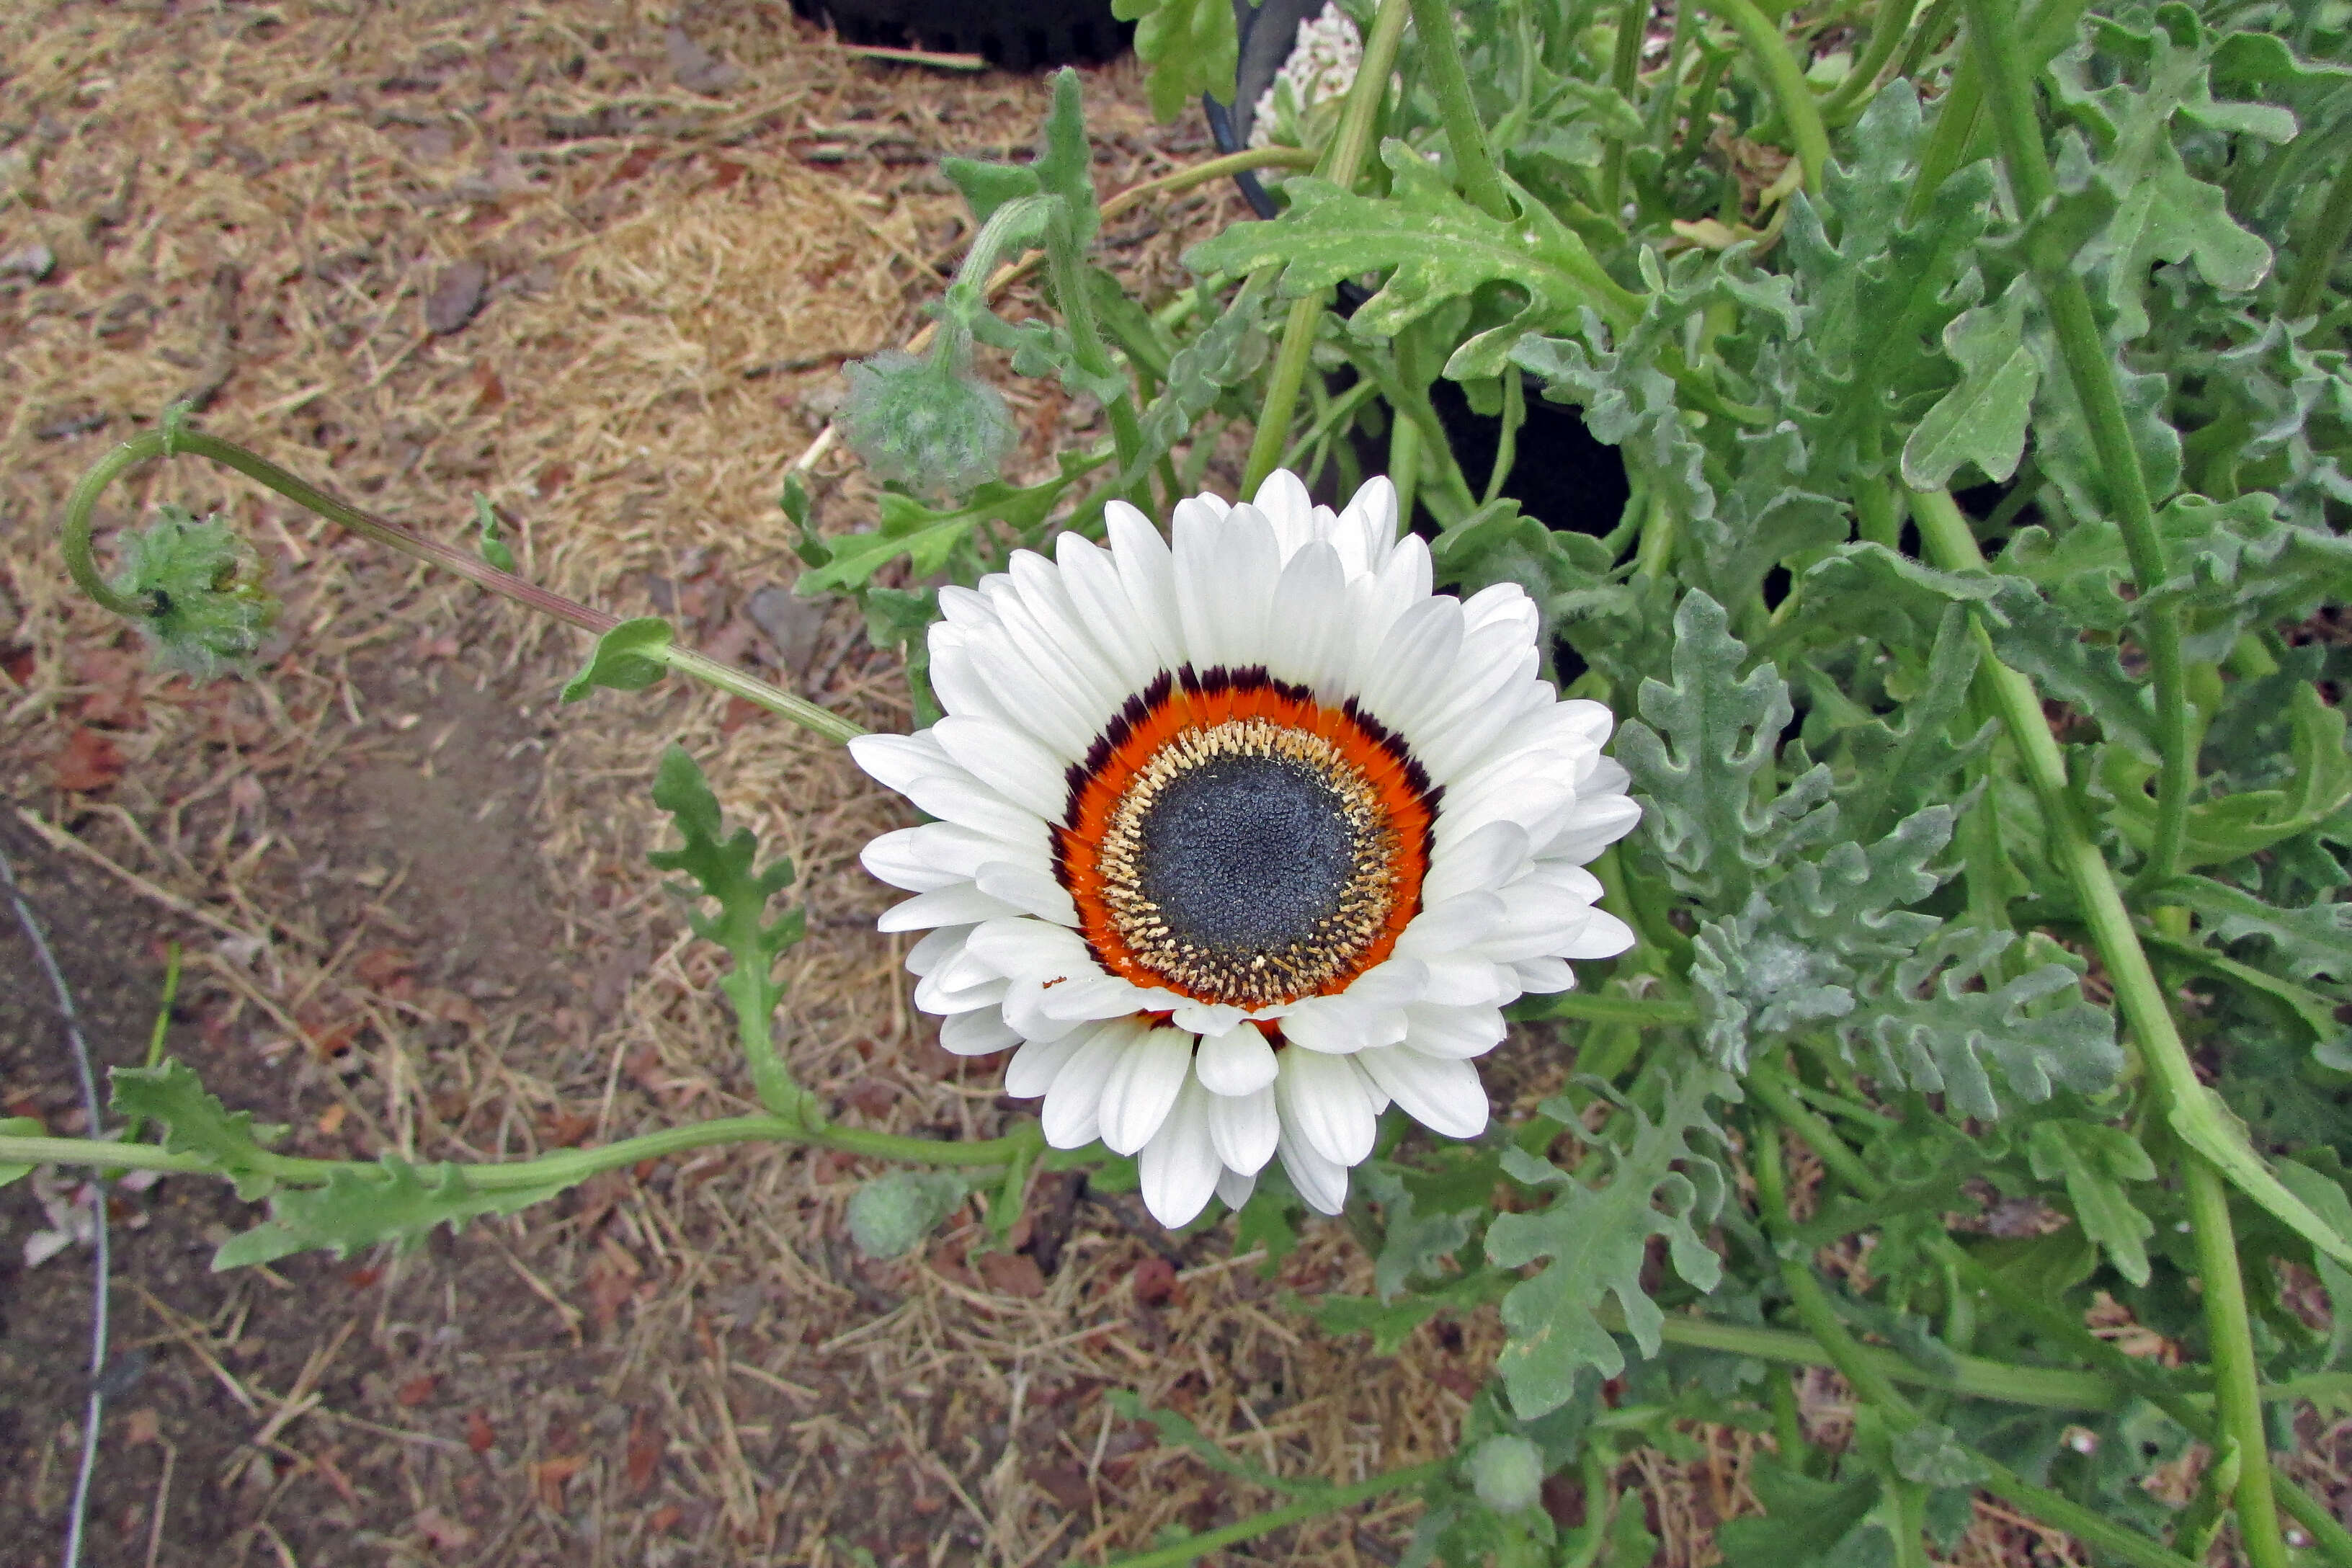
x=1243, y=837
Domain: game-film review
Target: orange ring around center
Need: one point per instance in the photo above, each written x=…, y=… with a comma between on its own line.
x=1174, y=704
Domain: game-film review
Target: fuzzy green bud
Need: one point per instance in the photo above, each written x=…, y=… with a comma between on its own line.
x=1509, y=1472
x=928, y=424
x=209, y=612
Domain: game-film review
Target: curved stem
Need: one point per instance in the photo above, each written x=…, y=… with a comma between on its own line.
x=2320, y=248
x=1065, y=259
x=2091, y=369
x=1888, y=26
x=1341, y=163
x=1624, y=64
x=1474, y=160
x=1198, y=1546
x=1791, y=94
x=171, y=441
x=1950, y=545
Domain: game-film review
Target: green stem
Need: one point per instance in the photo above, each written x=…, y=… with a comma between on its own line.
x=1950, y=545
x=1474, y=161
x=1404, y=462
x=1871, y=1382
x=170, y=441
x=2321, y=248
x=1888, y=26
x=2091, y=369
x=1507, y=448
x=2127, y=1374
x=1791, y=94
x=1195, y=1547
x=1343, y=162
x=1624, y=64
x=1065, y=260
x=563, y=1166
x=1640, y=1012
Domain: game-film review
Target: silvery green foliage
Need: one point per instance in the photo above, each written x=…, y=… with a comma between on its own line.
x=211, y=612
x=1507, y=1472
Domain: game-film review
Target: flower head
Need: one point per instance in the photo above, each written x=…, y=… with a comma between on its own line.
x=929, y=424
x=210, y=611
x=1245, y=835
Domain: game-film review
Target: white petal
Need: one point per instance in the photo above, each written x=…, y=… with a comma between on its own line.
x=1205, y=1018
x=1283, y=501
x=1244, y=1128
x=1602, y=935
x=918, y=768
x=1595, y=826
x=1543, y=976
x=936, y=948
x=1413, y=670
x=1442, y=1094
x=1032, y=949
x=1037, y=1063
x=1101, y=603
x=1458, y=1032
x=1483, y=860
x=1365, y=534
x=1143, y=1086
x=905, y=859
x=1468, y=979
x=1306, y=635
x=1238, y=1061
x=1096, y=995
x=955, y=991
x=1234, y=1189
x=1180, y=1167
x=1072, y=1115
x=1336, y=1026
x=1030, y=888
x=976, y=1033
x=963, y=904
x=1148, y=574
x=1326, y=1099
x=1059, y=716
x=1440, y=928
x=1322, y=1183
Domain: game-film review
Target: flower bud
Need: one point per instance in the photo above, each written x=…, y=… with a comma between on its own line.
x=1508, y=1471
x=210, y=610
x=928, y=424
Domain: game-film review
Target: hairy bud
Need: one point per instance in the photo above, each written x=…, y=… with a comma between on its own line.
x=210, y=611
x=1508, y=1471
x=928, y=424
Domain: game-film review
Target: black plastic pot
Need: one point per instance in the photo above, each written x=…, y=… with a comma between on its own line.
x=1561, y=474
x=1017, y=35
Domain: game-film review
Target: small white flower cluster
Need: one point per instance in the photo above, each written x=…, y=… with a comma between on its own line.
x=1321, y=67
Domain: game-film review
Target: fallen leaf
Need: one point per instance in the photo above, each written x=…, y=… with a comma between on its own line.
x=141, y=1425
x=1155, y=1281
x=564, y=1130
x=488, y=390
x=1012, y=1274
x=478, y=1435
x=1065, y=1483
x=455, y=296
x=88, y=762
x=446, y=1534
x=331, y=1121
x=664, y=1518
x=379, y=967
x=644, y=1453
x=415, y=1391
x=609, y=1290
x=550, y=1476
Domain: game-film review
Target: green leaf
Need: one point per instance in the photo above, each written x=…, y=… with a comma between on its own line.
x=1982, y=420
x=2095, y=1163
x=627, y=659
x=1596, y=1231
x=1899, y=770
x=359, y=1206
x=2207, y=1126
x=17, y=1127
x=1435, y=247
x=197, y=1123
x=1225, y=355
x=1192, y=45
x=494, y=549
x=890, y=1215
x=2311, y=941
x=2247, y=823
x=929, y=537
x=1942, y=1022
x=723, y=869
x=1063, y=166
x=1932, y=1454
x=1808, y=1522
x=1702, y=755
x=1417, y=1242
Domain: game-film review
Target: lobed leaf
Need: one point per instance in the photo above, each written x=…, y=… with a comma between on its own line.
x=196, y=1122
x=359, y=1207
